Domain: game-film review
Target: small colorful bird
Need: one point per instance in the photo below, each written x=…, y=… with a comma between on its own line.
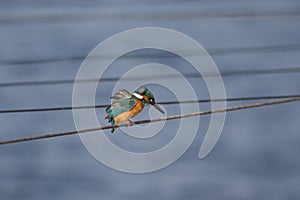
x=127, y=106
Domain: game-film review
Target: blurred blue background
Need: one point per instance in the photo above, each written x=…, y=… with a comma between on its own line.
x=257, y=156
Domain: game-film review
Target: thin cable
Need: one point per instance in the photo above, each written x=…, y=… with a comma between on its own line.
x=156, y=77
x=100, y=16
x=161, y=103
x=248, y=106
x=212, y=51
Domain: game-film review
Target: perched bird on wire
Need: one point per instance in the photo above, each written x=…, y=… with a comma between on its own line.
x=126, y=106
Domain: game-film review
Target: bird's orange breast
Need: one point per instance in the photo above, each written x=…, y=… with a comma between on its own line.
x=137, y=108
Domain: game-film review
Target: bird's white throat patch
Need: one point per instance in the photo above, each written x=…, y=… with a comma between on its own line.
x=138, y=96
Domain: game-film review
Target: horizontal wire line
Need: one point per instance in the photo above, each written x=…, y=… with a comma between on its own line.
x=235, y=108
x=97, y=17
x=211, y=51
x=158, y=76
x=161, y=103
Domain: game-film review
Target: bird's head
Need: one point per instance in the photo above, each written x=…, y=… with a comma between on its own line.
x=146, y=96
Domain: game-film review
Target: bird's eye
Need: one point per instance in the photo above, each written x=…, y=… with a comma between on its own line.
x=151, y=101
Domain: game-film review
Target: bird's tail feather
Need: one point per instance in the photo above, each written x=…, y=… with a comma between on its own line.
x=112, y=121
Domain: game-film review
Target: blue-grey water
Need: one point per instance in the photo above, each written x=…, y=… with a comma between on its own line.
x=257, y=156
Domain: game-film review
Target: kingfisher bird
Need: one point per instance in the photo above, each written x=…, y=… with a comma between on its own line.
x=126, y=106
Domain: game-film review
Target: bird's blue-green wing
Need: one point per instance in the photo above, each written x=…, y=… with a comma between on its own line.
x=121, y=94
x=119, y=106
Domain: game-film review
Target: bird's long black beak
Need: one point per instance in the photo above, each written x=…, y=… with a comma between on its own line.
x=158, y=108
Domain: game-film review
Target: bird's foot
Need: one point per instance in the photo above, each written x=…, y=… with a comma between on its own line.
x=129, y=123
